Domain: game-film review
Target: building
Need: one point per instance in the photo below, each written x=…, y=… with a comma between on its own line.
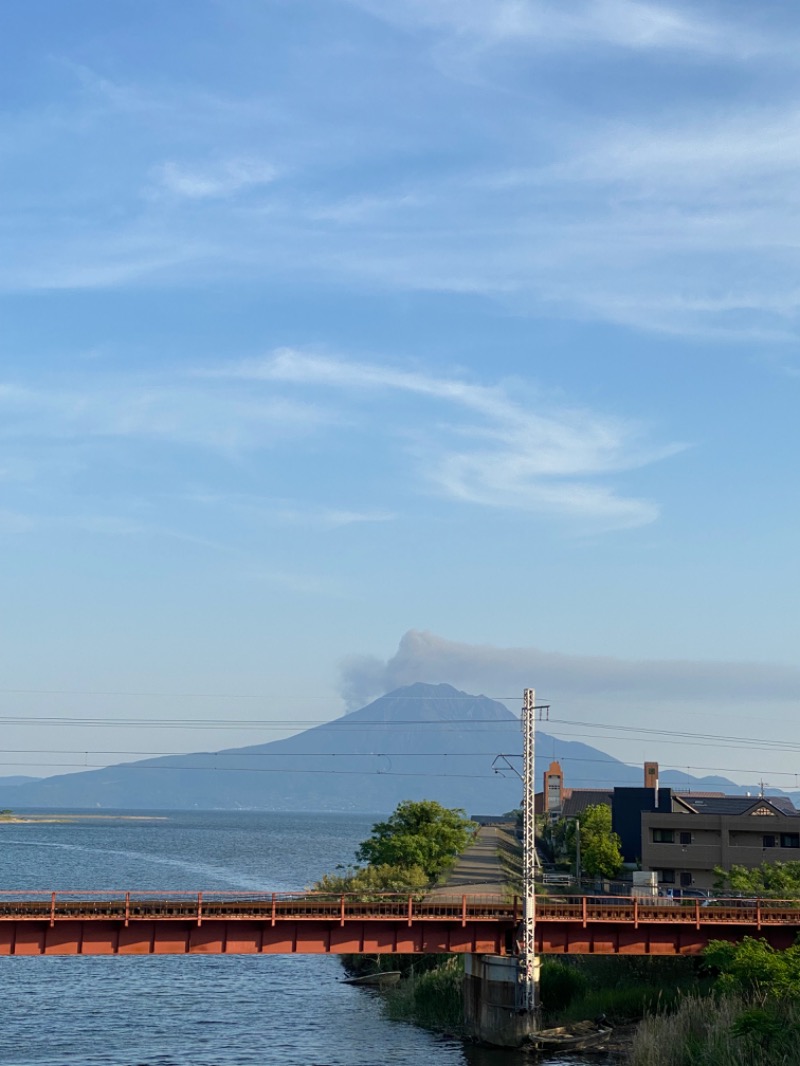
x=683, y=837
x=686, y=842
x=561, y=802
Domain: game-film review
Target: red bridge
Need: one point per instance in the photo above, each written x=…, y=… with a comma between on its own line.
x=158, y=923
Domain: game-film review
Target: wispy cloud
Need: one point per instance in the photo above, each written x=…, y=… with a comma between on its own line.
x=169, y=410
x=722, y=151
x=52, y=436
x=678, y=218
x=224, y=179
x=333, y=518
x=629, y=24
x=510, y=456
x=289, y=512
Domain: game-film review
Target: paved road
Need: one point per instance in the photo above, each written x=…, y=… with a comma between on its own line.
x=479, y=870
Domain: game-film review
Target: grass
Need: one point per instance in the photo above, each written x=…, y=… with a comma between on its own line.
x=432, y=999
x=623, y=989
x=720, y=1031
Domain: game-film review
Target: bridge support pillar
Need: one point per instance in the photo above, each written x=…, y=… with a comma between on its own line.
x=491, y=1014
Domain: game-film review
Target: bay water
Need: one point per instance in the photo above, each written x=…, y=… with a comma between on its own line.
x=197, y=1010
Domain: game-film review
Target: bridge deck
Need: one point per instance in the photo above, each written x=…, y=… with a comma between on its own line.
x=163, y=922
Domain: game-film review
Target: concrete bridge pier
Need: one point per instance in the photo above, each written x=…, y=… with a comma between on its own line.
x=491, y=994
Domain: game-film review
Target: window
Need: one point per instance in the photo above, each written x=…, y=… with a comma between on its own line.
x=663, y=836
x=686, y=838
x=667, y=877
x=790, y=840
x=769, y=841
x=686, y=879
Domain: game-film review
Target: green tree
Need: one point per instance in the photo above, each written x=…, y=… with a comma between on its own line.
x=369, y=882
x=770, y=880
x=752, y=966
x=600, y=847
x=420, y=833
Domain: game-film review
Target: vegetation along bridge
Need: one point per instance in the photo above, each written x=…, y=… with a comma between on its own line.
x=160, y=923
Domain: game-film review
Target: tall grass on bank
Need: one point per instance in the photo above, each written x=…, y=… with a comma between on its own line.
x=573, y=989
x=432, y=999
x=623, y=989
x=724, y=1031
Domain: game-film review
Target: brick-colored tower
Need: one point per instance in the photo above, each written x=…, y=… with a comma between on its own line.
x=553, y=788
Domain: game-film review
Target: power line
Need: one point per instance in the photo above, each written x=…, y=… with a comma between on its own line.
x=267, y=754
x=241, y=723
x=659, y=732
x=230, y=695
x=601, y=732
x=600, y=728
x=567, y=760
x=249, y=770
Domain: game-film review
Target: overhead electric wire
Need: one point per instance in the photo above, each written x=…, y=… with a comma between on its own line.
x=343, y=722
x=658, y=732
x=229, y=695
x=254, y=723
x=601, y=728
x=567, y=760
x=556, y=727
x=249, y=770
x=600, y=784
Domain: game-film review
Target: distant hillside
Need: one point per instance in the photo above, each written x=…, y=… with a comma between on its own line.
x=421, y=741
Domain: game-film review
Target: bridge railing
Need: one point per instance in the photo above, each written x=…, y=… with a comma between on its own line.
x=716, y=910
x=273, y=906
x=142, y=904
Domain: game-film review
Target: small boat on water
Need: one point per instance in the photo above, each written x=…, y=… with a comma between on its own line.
x=381, y=979
x=579, y=1037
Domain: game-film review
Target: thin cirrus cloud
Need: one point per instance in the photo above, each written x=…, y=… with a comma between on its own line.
x=170, y=411
x=641, y=217
x=716, y=154
x=481, y=445
x=288, y=512
x=628, y=24
x=214, y=182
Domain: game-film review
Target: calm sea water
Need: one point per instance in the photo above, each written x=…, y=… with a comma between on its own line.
x=197, y=1010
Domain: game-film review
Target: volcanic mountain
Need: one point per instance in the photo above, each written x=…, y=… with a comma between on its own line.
x=419, y=742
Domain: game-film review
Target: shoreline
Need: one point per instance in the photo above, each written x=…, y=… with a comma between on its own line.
x=70, y=819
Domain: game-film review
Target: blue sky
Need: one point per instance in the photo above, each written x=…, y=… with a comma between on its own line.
x=354, y=342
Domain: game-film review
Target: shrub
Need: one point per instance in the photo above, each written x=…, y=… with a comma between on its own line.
x=560, y=984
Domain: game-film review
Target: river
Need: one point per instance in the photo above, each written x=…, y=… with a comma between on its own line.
x=197, y=1010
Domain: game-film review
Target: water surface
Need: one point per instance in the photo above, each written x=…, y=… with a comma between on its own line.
x=197, y=1010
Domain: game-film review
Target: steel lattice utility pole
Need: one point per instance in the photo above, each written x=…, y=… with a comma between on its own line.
x=527, y=963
